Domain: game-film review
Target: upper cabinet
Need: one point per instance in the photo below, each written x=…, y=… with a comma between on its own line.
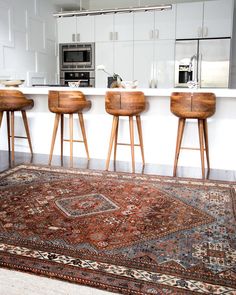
x=75, y=29
x=114, y=27
x=218, y=18
x=155, y=25
x=210, y=19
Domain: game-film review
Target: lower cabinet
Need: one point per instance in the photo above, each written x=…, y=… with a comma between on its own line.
x=149, y=62
x=117, y=57
x=154, y=63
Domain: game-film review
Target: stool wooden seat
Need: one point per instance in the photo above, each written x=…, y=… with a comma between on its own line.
x=119, y=103
x=198, y=106
x=68, y=102
x=10, y=102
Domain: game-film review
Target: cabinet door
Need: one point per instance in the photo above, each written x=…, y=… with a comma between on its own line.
x=165, y=24
x=104, y=27
x=189, y=19
x=123, y=27
x=123, y=59
x=144, y=69
x=104, y=56
x=66, y=29
x=164, y=58
x=85, y=29
x=218, y=18
x=143, y=26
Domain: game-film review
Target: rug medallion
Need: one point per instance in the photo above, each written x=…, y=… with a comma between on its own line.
x=127, y=233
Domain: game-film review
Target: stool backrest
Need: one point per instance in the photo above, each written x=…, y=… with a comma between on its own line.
x=193, y=105
x=66, y=101
x=125, y=103
x=13, y=100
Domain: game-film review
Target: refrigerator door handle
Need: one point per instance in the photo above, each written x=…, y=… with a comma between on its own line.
x=205, y=31
x=200, y=69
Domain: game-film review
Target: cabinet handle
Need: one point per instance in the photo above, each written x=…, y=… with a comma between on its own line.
x=205, y=31
x=157, y=34
x=78, y=37
x=73, y=37
x=151, y=35
x=199, y=32
x=110, y=36
x=116, y=36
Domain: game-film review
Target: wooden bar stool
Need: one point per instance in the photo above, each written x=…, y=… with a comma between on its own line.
x=198, y=106
x=67, y=102
x=10, y=102
x=119, y=103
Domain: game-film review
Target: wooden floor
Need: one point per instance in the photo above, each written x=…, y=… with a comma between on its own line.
x=82, y=163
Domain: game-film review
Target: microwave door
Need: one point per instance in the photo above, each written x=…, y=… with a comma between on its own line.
x=214, y=56
x=185, y=61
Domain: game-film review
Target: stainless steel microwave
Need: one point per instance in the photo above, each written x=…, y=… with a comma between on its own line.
x=77, y=56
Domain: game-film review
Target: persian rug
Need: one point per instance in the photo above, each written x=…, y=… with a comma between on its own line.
x=126, y=233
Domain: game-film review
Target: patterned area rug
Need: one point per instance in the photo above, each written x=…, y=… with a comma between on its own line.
x=127, y=233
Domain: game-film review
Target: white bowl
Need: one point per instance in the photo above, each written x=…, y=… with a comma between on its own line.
x=13, y=83
x=74, y=84
x=129, y=84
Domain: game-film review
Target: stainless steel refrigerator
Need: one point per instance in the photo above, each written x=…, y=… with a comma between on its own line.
x=205, y=61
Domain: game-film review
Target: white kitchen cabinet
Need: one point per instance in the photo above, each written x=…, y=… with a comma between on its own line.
x=154, y=63
x=66, y=29
x=210, y=19
x=123, y=59
x=144, y=63
x=114, y=27
x=155, y=25
x=85, y=28
x=104, y=55
x=164, y=51
x=117, y=57
x=218, y=18
x=75, y=29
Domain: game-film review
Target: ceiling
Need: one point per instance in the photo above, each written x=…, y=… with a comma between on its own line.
x=102, y=4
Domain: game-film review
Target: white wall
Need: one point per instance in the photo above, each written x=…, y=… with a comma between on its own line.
x=28, y=41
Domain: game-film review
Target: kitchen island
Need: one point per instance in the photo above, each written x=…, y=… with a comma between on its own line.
x=158, y=123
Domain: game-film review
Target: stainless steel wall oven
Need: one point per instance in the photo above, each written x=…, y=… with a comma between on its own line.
x=86, y=78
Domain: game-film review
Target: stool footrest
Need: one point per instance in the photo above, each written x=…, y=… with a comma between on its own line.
x=127, y=144
x=16, y=136
x=74, y=140
x=189, y=148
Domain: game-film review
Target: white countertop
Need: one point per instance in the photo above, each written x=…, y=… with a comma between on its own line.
x=220, y=92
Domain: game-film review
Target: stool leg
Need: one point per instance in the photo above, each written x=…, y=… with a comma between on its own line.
x=12, y=138
x=113, y=131
x=71, y=138
x=81, y=121
x=178, y=143
x=140, y=137
x=27, y=130
x=62, y=136
x=8, y=132
x=56, y=122
x=131, y=128
x=201, y=140
x=116, y=137
x=1, y=115
x=206, y=143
